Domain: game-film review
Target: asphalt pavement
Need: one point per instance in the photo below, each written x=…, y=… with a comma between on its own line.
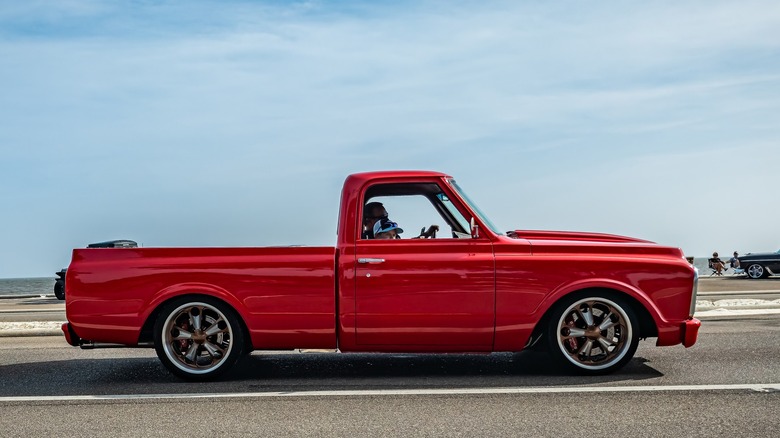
x=728, y=384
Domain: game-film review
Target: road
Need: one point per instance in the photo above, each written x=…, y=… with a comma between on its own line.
x=669, y=391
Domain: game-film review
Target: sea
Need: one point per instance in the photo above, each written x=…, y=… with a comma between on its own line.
x=27, y=286
x=45, y=285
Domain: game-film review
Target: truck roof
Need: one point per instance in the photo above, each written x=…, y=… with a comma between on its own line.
x=365, y=176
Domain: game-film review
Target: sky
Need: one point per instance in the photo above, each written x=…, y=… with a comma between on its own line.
x=234, y=123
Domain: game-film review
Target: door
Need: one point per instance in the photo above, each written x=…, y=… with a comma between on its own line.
x=417, y=293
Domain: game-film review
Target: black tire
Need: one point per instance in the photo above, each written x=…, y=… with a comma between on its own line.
x=198, y=338
x=587, y=315
x=59, y=289
x=756, y=271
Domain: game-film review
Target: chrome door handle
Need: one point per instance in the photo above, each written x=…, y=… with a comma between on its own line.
x=368, y=260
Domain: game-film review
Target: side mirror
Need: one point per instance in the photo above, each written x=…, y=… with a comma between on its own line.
x=474, y=229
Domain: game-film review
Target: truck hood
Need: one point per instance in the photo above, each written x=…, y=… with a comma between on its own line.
x=572, y=236
x=571, y=242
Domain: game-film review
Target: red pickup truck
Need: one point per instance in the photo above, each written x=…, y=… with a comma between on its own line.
x=587, y=298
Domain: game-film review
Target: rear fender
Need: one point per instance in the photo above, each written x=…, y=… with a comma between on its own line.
x=182, y=289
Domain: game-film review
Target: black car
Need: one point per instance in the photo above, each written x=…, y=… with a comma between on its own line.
x=59, y=284
x=760, y=265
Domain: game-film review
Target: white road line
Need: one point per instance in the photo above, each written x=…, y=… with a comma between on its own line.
x=762, y=387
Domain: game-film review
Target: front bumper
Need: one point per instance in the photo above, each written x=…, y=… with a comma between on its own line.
x=685, y=333
x=690, y=332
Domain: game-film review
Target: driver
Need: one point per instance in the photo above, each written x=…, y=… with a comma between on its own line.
x=372, y=212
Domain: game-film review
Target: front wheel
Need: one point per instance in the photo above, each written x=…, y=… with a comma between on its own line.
x=198, y=338
x=593, y=334
x=755, y=271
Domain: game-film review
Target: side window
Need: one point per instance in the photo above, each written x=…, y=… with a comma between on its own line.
x=415, y=208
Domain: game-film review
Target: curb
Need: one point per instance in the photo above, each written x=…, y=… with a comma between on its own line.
x=13, y=329
x=30, y=333
x=12, y=297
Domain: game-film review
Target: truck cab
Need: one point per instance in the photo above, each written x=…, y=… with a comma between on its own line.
x=444, y=287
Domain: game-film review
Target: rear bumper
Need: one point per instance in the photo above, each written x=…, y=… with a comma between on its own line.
x=690, y=331
x=70, y=335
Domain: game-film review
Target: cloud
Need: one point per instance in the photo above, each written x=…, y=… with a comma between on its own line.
x=205, y=123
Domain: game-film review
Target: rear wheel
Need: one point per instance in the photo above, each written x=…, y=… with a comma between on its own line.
x=595, y=333
x=198, y=338
x=755, y=271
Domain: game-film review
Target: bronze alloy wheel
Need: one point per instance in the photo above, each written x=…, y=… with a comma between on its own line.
x=596, y=334
x=197, y=338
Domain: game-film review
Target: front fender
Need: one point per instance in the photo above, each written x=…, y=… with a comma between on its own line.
x=600, y=283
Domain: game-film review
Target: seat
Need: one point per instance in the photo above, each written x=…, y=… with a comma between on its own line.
x=714, y=270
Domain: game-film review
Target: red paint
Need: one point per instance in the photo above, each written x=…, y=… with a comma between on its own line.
x=448, y=295
x=691, y=332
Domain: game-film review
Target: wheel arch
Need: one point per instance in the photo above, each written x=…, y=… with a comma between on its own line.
x=146, y=334
x=647, y=324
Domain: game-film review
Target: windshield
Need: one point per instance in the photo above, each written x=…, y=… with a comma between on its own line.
x=474, y=207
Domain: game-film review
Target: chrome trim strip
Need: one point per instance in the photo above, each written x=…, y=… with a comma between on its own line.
x=695, y=290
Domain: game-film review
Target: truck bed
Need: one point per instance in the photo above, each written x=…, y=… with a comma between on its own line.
x=286, y=295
